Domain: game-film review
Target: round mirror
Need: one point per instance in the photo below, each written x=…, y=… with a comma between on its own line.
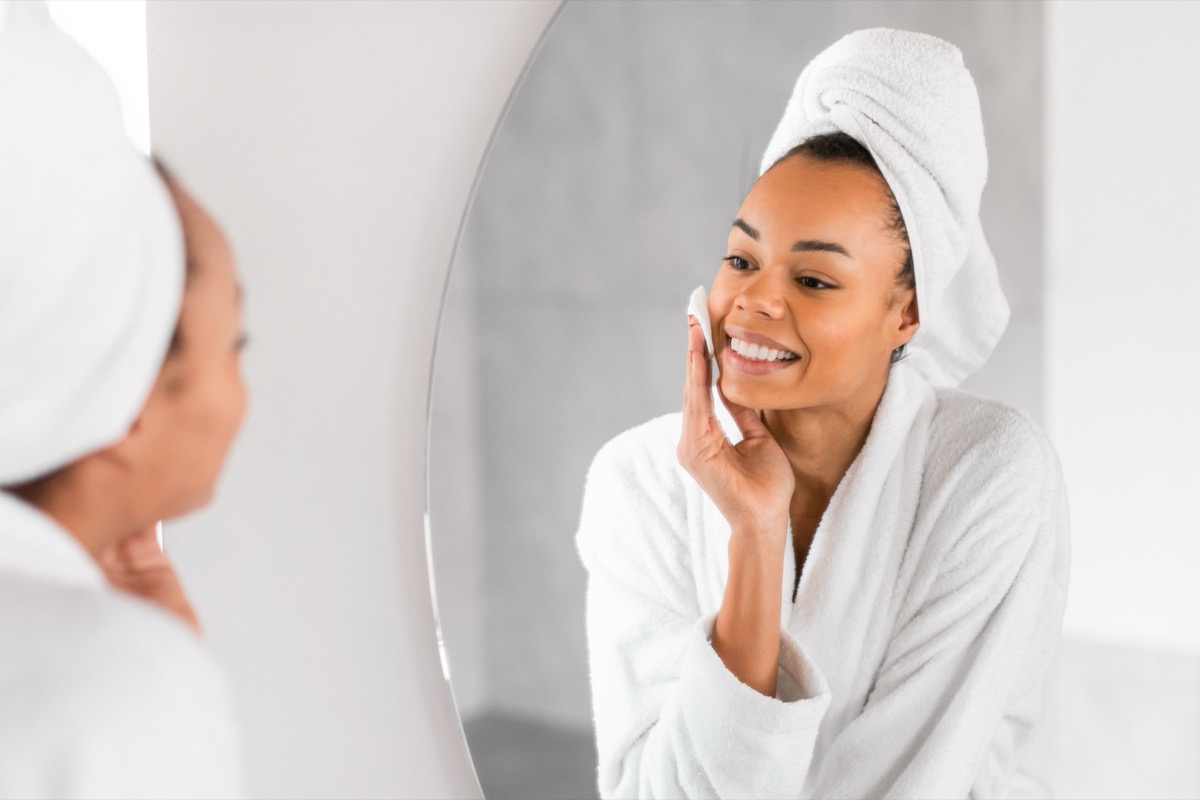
x=606, y=198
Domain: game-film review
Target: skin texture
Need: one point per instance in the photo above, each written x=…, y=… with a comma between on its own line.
x=168, y=462
x=842, y=315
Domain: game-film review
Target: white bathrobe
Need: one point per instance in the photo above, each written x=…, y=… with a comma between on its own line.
x=913, y=655
x=101, y=695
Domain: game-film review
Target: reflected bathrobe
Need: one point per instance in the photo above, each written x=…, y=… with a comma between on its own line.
x=101, y=694
x=913, y=654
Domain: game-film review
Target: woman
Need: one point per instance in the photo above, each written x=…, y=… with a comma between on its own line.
x=120, y=393
x=844, y=577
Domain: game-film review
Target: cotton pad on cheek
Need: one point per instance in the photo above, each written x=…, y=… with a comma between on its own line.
x=698, y=308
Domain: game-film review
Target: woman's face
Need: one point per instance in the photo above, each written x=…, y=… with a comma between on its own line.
x=805, y=308
x=198, y=400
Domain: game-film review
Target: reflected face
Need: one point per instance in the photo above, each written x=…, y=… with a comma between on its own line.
x=805, y=308
x=198, y=402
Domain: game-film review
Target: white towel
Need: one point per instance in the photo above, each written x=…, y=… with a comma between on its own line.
x=91, y=255
x=908, y=98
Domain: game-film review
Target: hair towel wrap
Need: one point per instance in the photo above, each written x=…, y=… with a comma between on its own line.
x=91, y=254
x=908, y=98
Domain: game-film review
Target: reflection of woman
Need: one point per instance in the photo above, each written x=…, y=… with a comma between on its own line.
x=119, y=395
x=858, y=593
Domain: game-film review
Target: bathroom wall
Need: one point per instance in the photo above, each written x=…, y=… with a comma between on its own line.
x=1122, y=284
x=1123, y=707
x=336, y=142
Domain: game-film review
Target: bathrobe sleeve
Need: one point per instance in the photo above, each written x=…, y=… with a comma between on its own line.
x=131, y=707
x=960, y=685
x=671, y=720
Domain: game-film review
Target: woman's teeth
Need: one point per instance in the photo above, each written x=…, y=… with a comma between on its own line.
x=758, y=352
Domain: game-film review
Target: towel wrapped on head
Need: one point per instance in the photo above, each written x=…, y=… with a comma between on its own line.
x=908, y=98
x=91, y=255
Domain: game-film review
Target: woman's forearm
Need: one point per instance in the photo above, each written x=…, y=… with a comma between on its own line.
x=746, y=632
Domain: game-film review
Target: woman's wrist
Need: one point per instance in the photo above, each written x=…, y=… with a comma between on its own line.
x=746, y=631
x=767, y=534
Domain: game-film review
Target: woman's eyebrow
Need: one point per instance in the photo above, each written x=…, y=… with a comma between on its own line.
x=745, y=226
x=801, y=246
x=810, y=245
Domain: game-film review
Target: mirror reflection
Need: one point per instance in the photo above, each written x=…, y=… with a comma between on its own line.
x=883, y=580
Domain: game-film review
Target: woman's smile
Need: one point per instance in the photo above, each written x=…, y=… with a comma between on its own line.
x=755, y=354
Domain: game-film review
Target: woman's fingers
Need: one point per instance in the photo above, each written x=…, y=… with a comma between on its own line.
x=697, y=398
x=137, y=565
x=699, y=349
x=138, y=550
x=699, y=417
x=749, y=482
x=701, y=436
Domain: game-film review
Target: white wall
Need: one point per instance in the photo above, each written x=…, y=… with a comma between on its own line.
x=337, y=143
x=1123, y=284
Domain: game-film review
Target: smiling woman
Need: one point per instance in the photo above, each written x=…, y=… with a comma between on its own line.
x=820, y=270
x=844, y=276
x=851, y=582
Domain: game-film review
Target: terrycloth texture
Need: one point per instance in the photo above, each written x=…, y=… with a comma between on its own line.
x=910, y=101
x=101, y=695
x=91, y=255
x=914, y=652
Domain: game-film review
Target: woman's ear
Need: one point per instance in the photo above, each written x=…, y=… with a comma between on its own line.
x=910, y=318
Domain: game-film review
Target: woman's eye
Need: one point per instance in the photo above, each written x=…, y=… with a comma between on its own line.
x=810, y=282
x=737, y=262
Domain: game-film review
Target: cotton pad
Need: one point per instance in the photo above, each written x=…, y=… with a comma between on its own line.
x=698, y=308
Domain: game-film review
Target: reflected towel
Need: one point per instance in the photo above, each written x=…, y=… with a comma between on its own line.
x=908, y=98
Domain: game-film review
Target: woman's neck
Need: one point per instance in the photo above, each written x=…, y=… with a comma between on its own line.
x=822, y=443
x=87, y=515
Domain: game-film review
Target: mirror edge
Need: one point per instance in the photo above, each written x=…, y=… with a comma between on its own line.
x=429, y=396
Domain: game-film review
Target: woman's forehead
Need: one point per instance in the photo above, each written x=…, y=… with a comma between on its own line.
x=801, y=196
x=206, y=242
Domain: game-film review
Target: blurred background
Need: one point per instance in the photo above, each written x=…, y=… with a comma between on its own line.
x=606, y=197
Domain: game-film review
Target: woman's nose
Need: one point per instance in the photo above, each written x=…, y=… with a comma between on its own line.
x=762, y=296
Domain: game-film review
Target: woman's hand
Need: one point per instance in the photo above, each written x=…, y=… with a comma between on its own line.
x=750, y=482
x=137, y=565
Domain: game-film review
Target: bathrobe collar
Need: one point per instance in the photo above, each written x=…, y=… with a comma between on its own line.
x=33, y=544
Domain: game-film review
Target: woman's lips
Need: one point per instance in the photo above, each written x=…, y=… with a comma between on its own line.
x=755, y=347
x=734, y=332
x=731, y=361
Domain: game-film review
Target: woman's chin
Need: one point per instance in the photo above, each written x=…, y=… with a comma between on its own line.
x=187, y=502
x=737, y=392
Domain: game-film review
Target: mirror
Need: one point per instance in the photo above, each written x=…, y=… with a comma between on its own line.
x=605, y=199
